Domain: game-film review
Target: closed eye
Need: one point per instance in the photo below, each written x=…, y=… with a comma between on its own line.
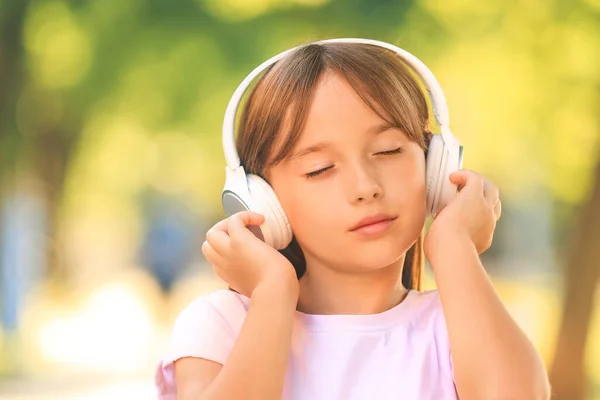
x=381, y=153
x=390, y=152
x=318, y=172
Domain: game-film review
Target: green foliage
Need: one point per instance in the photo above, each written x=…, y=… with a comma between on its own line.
x=520, y=78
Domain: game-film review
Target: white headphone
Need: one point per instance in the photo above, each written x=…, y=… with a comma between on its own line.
x=250, y=192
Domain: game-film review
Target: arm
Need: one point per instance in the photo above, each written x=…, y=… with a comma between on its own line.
x=492, y=357
x=256, y=366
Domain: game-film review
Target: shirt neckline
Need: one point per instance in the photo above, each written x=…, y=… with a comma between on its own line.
x=326, y=322
x=384, y=319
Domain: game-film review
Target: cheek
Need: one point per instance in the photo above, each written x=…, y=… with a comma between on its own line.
x=308, y=209
x=405, y=183
x=313, y=212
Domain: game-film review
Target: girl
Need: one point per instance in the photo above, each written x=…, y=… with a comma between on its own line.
x=340, y=132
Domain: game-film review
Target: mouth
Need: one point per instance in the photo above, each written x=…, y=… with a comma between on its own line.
x=374, y=224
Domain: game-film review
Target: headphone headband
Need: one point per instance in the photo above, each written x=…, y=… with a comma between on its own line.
x=438, y=100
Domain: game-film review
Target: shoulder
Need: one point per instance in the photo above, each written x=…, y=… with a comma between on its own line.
x=224, y=307
x=223, y=300
x=206, y=328
x=430, y=317
x=429, y=322
x=427, y=311
x=426, y=302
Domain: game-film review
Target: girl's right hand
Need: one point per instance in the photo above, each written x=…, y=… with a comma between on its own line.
x=244, y=261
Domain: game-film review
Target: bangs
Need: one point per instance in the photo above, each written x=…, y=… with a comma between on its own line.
x=277, y=108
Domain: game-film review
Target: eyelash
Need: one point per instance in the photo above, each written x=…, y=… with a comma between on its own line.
x=383, y=153
x=390, y=152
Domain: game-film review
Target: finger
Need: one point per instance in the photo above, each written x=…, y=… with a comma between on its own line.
x=220, y=272
x=491, y=193
x=239, y=221
x=251, y=218
x=221, y=225
x=210, y=254
x=466, y=178
x=219, y=240
x=498, y=209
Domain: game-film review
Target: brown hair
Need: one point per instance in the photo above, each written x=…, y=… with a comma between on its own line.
x=284, y=92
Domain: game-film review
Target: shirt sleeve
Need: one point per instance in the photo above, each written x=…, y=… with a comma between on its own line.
x=199, y=331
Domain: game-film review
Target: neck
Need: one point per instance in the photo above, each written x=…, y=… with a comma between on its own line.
x=324, y=290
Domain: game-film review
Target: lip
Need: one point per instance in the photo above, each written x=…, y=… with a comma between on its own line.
x=373, y=221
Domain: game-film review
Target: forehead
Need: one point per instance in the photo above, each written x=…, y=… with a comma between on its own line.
x=335, y=113
x=336, y=108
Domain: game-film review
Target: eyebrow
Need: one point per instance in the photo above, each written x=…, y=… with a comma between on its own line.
x=374, y=130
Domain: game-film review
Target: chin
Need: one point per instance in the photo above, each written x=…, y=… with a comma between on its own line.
x=382, y=257
x=388, y=249
x=375, y=255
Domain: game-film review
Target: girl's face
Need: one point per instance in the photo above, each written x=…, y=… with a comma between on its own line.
x=348, y=165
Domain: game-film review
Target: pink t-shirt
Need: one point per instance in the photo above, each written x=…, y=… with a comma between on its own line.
x=401, y=353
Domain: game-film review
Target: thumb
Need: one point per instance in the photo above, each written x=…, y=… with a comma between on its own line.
x=459, y=178
x=467, y=179
x=462, y=178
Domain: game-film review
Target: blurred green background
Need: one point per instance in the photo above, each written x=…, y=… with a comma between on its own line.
x=111, y=167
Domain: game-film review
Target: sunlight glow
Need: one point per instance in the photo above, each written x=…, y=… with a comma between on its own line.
x=110, y=331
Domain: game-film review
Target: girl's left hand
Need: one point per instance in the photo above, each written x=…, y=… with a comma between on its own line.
x=472, y=214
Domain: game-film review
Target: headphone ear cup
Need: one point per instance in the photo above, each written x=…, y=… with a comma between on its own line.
x=440, y=191
x=435, y=156
x=448, y=190
x=276, y=229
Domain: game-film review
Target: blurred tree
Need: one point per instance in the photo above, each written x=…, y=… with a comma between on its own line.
x=582, y=268
x=567, y=374
x=29, y=144
x=12, y=16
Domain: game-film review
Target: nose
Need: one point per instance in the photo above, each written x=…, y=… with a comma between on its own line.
x=365, y=185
